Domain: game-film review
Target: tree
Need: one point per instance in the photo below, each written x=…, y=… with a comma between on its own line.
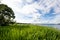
x=6, y=14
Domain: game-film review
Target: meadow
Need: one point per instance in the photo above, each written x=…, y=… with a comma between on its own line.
x=28, y=32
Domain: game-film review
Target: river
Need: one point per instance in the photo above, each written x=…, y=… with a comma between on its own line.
x=51, y=25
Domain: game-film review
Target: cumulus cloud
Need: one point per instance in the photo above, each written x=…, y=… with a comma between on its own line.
x=35, y=11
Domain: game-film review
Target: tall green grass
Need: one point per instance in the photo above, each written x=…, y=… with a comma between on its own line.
x=28, y=32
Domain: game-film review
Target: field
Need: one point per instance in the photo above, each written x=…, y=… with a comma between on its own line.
x=28, y=32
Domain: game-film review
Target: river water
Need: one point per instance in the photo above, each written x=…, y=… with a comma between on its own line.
x=54, y=26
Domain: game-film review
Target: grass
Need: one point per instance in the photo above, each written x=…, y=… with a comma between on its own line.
x=28, y=32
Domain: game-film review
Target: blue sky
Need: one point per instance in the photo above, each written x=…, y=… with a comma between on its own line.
x=35, y=11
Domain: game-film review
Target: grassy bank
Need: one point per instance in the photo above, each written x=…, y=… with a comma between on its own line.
x=28, y=32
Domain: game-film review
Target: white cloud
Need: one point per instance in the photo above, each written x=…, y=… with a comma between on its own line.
x=29, y=1
x=56, y=19
x=28, y=9
x=23, y=8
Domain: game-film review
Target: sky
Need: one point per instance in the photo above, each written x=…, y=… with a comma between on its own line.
x=35, y=11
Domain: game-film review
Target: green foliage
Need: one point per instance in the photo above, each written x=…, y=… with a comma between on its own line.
x=28, y=32
x=6, y=14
